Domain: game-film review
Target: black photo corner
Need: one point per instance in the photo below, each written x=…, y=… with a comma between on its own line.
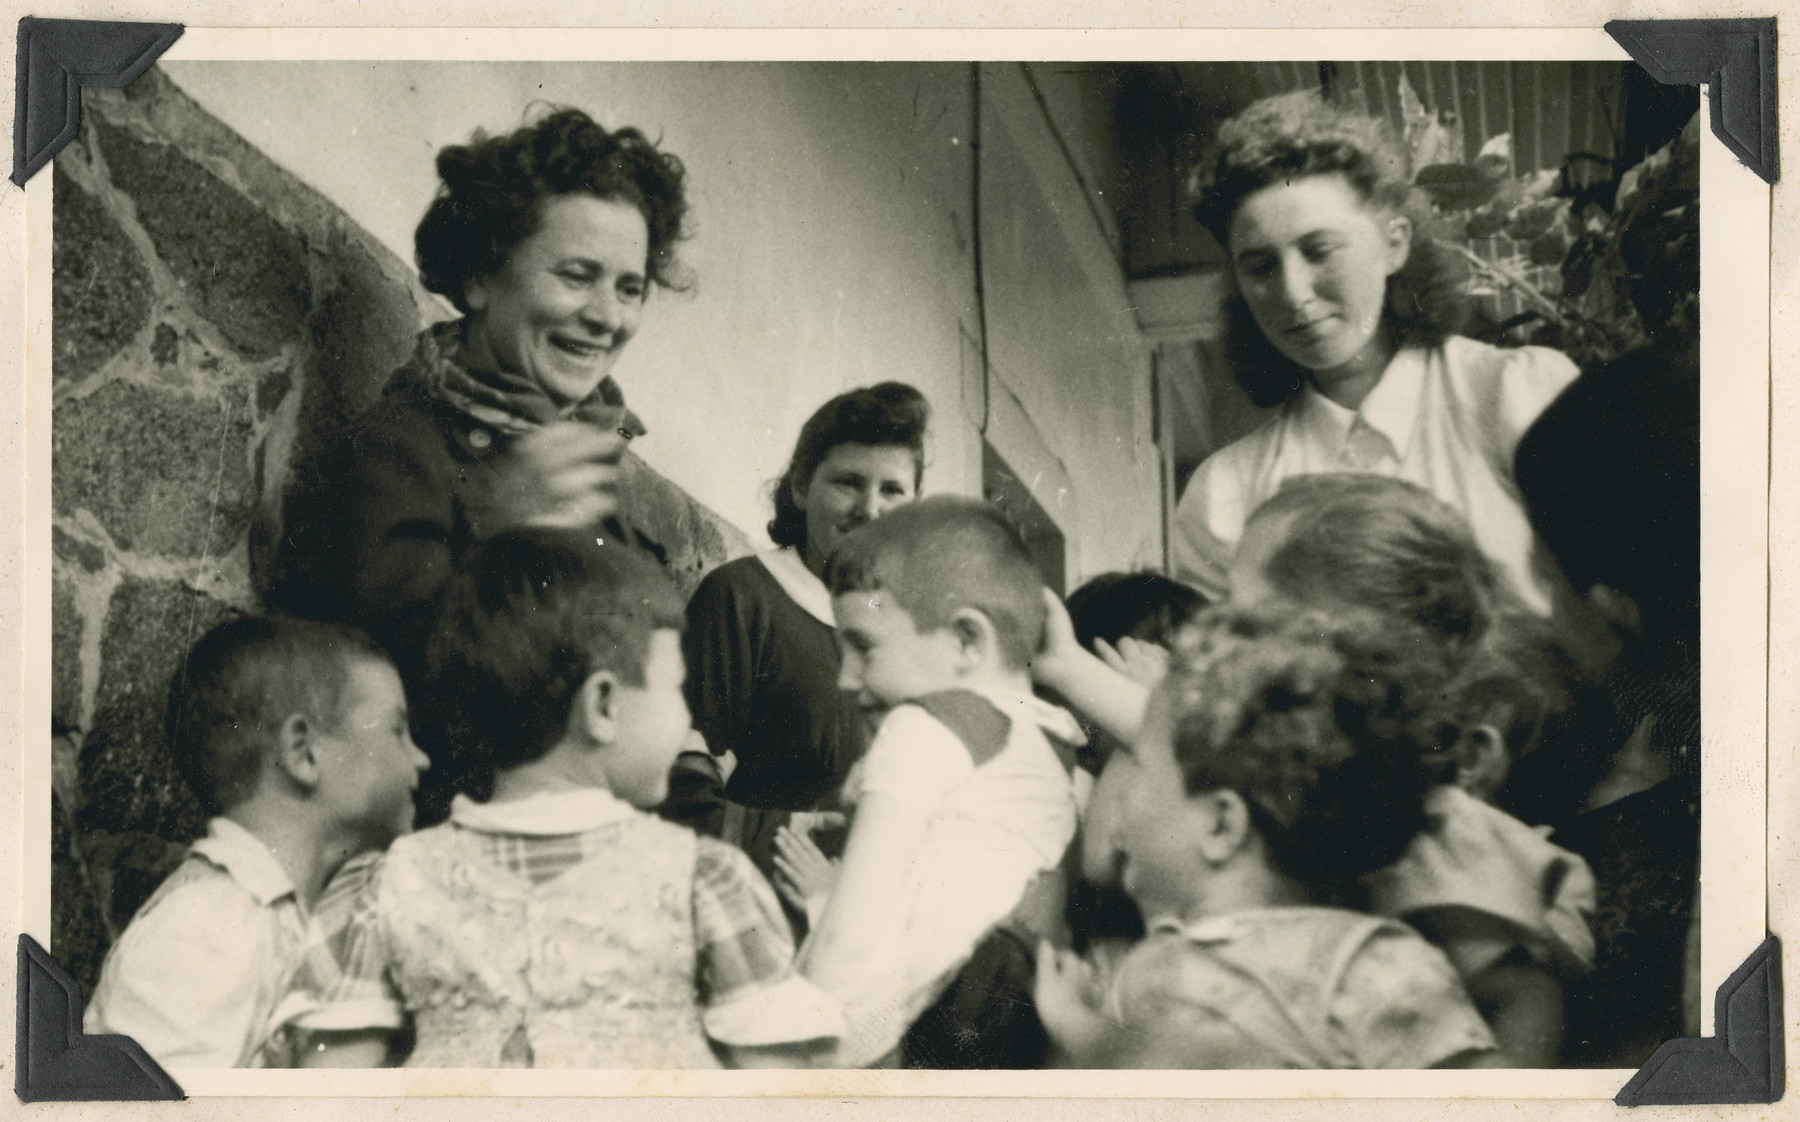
x=1741, y=1063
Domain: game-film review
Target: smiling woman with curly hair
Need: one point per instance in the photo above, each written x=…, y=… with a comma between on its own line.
x=1345, y=317
x=548, y=240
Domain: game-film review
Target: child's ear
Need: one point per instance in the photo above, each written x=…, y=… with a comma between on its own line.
x=976, y=640
x=475, y=294
x=1224, y=824
x=594, y=715
x=1398, y=235
x=297, y=750
x=1481, y=761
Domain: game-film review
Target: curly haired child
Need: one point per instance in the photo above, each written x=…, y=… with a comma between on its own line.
x=1281, y=760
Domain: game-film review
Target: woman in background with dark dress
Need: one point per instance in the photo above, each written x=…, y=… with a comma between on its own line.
x=548, y=240
x=761, y=646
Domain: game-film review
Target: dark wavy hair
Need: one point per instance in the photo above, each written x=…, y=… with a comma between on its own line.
x=1144, y=605
x=1323, y=724
x=1293, y=136
x=523, y=623
x=492, y=187
x=890, y=413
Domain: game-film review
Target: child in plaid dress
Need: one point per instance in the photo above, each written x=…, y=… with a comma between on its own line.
x=558, y=924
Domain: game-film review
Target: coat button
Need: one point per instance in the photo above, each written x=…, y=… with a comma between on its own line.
x=480, y=438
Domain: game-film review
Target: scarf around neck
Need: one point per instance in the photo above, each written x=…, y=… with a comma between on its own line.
x=507, y=403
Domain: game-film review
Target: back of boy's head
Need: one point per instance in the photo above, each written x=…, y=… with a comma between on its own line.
x=1147, y=606
x=1322, y=724
x=240, y=683
x=941, y=555
x=526, y=619
x=1559, y=727
x=1386, y=545
x=1611, y=477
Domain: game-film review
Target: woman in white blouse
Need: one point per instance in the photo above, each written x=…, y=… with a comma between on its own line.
x=1346, y=317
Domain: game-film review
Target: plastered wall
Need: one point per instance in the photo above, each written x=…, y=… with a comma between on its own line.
x=834, y=226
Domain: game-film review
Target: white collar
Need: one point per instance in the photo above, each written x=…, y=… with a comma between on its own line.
x=550, y=814
x=799, y=582
x=1391, y=409
x=1231, y=925
x=246, y=860
x=1213, y=929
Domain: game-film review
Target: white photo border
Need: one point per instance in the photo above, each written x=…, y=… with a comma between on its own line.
x=1736, y=590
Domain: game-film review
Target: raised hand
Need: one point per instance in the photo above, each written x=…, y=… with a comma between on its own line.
x=803, y=874
x=1061, y=647
x=1067, y=999
x=1144, y=662
x=564, y=475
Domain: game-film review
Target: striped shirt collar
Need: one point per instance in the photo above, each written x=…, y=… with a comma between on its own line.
x=549, y=814
x=246, y=860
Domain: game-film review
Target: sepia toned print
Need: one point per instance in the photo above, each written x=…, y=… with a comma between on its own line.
x=256, y=400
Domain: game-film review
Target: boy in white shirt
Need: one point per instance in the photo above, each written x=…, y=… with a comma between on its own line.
x=961, y=801
x=295, y=736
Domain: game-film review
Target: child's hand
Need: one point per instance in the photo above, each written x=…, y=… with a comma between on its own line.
x=1143, y=662
x=1066, y=997
x=803, y=874
x=810, y=822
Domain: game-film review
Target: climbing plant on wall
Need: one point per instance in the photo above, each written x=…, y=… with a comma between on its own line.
x=1590, y=257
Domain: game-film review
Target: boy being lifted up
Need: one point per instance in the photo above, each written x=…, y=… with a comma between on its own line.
x=961, y=801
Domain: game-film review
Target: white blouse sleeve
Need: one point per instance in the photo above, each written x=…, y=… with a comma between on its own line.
x=1530, y=379
x=1208, y=522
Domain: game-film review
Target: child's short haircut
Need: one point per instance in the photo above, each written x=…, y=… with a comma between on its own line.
x=237, y=686
x=941, y=555
x=1387, y=545
x=1147, y=606
x=1321, y=723
x=1560, y=728
x=523, y=623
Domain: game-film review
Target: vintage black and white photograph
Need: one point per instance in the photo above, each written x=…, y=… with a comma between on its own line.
x=936, y=565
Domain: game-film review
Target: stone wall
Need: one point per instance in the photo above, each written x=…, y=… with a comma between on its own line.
x=211, y=315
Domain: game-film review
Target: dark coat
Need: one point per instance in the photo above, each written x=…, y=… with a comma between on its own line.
x=762, y=684
x=376, y=522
